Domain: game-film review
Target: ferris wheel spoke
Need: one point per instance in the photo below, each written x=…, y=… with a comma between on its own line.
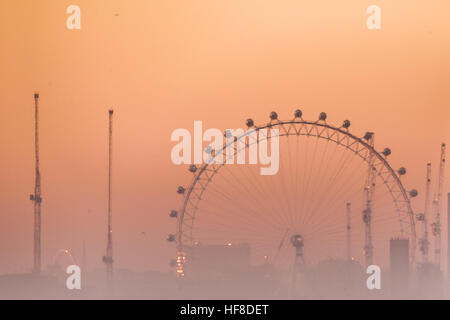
x=227, y=235
x=291, y=177
x=295, y=176
x=306, y=184
x=319, y=178
x=238, y=207
x=343, y=189
x=339, y=170
x=287, y=201
x=347, y=188
x=223, y=215
x=239, y=211
x=257, y=201
x=332, y=202
x=243, y=227
x=265, y=194
x=268, y=195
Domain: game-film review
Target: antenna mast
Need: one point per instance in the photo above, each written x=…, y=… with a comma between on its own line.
x=423, y=242
x=368, y=195
x=84, y=264
x=36, y=197
x=108, y=258
x=349, y=232
x=436, y=226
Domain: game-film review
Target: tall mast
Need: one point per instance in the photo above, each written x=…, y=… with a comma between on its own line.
x=36, y=197
x=349, y=232
x=422, y=218
x=368, y=195
x=108, y=258
x=426, y=213
x=436, y=226
x=84, y=263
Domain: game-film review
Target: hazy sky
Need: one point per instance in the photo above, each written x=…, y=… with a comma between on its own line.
x=163, y=64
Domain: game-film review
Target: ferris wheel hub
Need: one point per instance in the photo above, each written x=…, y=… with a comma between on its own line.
x=297, y=241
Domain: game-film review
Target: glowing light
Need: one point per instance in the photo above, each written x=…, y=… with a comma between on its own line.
x=181, y=260
x=229, y=244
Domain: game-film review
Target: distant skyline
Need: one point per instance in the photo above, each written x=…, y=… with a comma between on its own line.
x=161, y=66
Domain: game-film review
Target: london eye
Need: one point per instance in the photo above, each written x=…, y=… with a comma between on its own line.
x=334, y=197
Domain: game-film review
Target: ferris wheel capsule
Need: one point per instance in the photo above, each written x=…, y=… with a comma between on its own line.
x=368, y=136
x=171, y=237
x=298, y=113
x=346, y=124
x=273, y=115
x=173, y=214
x=401, y=171
x=386, y=152
x=192, y=168
x=249, y=123
x=413, y=193
x=322, y=116
x=181, y=190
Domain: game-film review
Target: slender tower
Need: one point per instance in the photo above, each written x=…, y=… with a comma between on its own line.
x=448, y=237
x=436, y=226
x=108, y=258
x=84, y=264
x=299, y=261
x=36, y=197
x=424, y=243
x=349, y=231
x=84, y=256
x=368, y=195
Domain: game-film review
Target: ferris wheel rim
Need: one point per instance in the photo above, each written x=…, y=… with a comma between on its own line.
x=402, y=198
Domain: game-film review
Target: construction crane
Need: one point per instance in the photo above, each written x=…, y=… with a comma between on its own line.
x=349, y=231
x=436, y=226
x=423, y=242
x=368, y=195
x=108, y=258
x=36, y=196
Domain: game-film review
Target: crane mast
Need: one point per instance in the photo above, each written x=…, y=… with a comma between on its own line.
x=36, y=196
x=108, y=258
x=424, y=243
x=368, y=195
x=349, y=232
x=436, y=226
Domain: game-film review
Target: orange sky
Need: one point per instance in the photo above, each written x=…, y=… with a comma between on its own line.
x=163, y=64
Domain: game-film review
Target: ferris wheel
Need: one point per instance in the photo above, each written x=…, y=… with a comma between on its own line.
x=334, y=197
